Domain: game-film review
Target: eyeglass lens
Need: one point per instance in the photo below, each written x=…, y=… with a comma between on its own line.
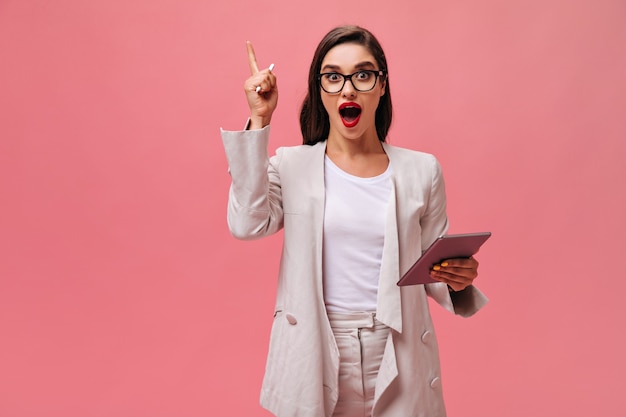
x=334, y=82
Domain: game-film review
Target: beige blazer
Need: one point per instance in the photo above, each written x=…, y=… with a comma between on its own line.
x=287, y=191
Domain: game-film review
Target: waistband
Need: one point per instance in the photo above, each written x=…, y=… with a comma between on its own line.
x=353, y=320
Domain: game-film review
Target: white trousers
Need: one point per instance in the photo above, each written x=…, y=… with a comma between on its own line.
x=361, y=340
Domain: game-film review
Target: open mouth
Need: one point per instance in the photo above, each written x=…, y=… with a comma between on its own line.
x=350, y=114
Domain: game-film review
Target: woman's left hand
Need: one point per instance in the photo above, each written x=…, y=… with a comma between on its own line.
x=457, y=273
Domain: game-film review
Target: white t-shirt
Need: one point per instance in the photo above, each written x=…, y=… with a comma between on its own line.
x=354, y=234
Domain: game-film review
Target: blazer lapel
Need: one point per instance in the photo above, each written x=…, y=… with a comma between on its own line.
x=389, y=309
x=318, y=198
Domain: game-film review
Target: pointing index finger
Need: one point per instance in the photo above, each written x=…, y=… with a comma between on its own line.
x=254, y=68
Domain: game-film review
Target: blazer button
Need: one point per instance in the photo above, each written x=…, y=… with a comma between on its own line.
x=426, y=336
x=435, y=382
x=291, y=318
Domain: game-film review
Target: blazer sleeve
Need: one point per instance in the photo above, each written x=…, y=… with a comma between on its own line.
x=254, y=199
x=434, y=224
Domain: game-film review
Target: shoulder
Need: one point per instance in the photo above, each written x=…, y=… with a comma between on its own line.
x=298, y=153
x=299, y=150
x=401, y=156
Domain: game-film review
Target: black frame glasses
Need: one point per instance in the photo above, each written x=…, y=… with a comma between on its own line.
x=375, y=73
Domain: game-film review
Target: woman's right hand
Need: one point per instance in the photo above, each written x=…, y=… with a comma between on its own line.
x=263, y=102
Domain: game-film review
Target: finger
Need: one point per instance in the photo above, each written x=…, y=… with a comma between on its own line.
x=457, y=276
x=272, y=78
x=465, y=271
x=455, y=285
x=452, y=281
x=263, y=86
x=470, y=263
x=264, y=81
x=254, y=68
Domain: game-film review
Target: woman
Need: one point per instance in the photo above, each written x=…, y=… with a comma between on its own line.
x=356, y=212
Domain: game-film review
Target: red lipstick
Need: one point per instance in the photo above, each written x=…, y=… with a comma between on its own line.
x=350, y=114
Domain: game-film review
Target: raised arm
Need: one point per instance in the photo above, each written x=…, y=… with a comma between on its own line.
x=254, y=202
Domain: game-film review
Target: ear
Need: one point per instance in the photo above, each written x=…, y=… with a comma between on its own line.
x=383, y=87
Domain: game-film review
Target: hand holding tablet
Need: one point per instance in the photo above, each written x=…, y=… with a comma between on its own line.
x=444, y=247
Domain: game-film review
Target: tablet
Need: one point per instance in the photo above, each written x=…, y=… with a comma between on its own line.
x=444, y=247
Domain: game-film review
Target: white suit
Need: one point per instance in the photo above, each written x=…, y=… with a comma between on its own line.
x=288, y=192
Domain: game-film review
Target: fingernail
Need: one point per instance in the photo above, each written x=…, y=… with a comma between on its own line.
x=258, y=88
x=271, y=67
x=444, y=264
x=436, y=267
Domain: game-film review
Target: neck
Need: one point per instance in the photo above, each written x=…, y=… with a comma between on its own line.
x=367, y=144
x=362, y=157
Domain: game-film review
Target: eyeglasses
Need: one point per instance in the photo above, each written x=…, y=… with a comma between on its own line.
x=364, y=80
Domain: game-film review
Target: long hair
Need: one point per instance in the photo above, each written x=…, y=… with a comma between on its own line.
x=314, y=122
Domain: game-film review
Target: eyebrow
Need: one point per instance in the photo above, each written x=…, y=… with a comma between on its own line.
x=360, y=65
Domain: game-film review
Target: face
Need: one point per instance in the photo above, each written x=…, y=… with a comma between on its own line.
x=352, y=113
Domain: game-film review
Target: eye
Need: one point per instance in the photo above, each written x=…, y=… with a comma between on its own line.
x=363, y=75
x=333, y=77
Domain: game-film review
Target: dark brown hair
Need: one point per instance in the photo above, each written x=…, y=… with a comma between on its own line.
x=314, y=121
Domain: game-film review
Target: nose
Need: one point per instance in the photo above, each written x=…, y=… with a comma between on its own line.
x=348, y=89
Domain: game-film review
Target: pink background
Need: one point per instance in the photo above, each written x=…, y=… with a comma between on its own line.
x=121, y=290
